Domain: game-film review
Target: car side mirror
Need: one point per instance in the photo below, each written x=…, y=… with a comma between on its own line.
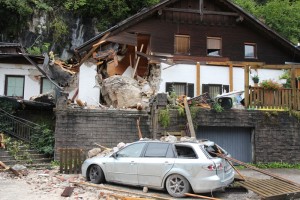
x=114, y=155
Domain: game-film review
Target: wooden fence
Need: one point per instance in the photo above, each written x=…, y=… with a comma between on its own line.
x=281, y=99
x=71, y=160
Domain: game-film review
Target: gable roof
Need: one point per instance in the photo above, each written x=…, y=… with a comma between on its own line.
x=149, y=11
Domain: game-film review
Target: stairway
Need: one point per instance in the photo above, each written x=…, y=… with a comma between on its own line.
x=33, y=159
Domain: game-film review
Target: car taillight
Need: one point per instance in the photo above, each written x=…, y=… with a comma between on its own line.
x=214, y=167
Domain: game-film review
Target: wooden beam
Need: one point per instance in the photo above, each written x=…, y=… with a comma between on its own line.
x=230, y=78
x=95, y=46
x=246, y=92
x=293, y=85
x=137, y=62
x=195, y=11
x=198, y=79
x=189, y=118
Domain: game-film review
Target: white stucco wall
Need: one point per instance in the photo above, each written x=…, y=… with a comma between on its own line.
x=89, y=90
x=211, y=75
x=32, y=82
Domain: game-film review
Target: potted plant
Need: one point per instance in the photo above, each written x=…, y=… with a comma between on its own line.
x=270, y=85
x=285, y=77
x=255, y=79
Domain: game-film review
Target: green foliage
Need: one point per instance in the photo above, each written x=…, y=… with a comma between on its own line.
x=164, y=117
x=55, y=163
x=296, y=114
x=60, y=29
x=270, y=85
x=14, y=148
x=36, y=50
x=74, y=5
x=181, y=111
x=273, y=165
x=281, y=15
x=217, y=107
x=43, y=140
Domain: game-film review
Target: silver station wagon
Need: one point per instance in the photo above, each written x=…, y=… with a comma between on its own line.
x=180, y=167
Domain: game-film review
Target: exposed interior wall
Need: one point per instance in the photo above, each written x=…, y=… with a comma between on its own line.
x=89, y=88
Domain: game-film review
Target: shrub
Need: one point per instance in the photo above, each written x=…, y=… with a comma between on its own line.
x=270, y=85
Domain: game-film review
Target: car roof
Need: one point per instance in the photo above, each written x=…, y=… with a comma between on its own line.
x=201, y=142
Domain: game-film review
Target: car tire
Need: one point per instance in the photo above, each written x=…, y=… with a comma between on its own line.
x=177, y=185
x=96, y=174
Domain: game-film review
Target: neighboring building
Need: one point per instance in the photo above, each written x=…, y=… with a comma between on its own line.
x=200, y=46
x=18, y=77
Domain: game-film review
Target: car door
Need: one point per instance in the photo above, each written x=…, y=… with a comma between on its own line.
x=124, y=168
x=157, y=161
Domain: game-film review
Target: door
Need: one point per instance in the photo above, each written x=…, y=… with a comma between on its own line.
x=157, y=161
x=235, y=140
x=125, y=165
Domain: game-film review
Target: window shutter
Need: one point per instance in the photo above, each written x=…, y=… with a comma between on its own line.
x=190, y=90
x=169, y=87
x=225, y=87
x=213, y=43
x=205, y=88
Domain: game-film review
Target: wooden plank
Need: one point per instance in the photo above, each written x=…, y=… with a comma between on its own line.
x=198, y=78
x=61, y=160
x=70, y=161
x=67, y=192
x=230, y=78
x=189, y=118
x=293, y=84
x=119, y=190
x=257, y=189
x=267, y=185
x=66, y=171
x=246, y=77
x=200, y=196
x=137, y=62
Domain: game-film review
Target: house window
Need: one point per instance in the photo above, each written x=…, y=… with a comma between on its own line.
x=214, y=46
x=181, y=88
x=182, y=44
x=14, y=86
x=46, y=85
x=214, y=89
x=250, y=50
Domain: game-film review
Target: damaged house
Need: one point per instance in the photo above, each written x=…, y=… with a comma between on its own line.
x=190, y=47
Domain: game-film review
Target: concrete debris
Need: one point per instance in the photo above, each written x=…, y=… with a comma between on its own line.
x=188, y=139
x=44, y=98
x=170, y=138
x=20, y=169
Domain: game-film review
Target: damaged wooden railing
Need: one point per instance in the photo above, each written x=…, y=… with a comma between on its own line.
x=280, y=99
x=17, y=127
x=70, y=160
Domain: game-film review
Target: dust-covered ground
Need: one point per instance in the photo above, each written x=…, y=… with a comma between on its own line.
x=49, y=184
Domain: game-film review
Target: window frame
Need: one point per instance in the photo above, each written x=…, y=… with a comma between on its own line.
x=187, y=52
x=205, y=88
x=189, y=88
x=42, y=84
x=6, y=84
x=254, y=45
x=221, y=46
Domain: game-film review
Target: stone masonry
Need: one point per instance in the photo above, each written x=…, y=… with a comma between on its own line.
x=276, y=134
x=81, y=128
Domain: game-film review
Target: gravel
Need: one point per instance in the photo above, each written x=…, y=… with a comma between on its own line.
x=49, y=184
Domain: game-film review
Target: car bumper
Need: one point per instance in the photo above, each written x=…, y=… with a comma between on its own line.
x=211, y=183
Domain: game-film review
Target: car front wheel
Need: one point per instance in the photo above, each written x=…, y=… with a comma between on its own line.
x=177, y=185
x=96, y=174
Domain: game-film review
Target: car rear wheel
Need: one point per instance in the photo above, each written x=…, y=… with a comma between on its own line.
x=177, y=185
x=96, y=174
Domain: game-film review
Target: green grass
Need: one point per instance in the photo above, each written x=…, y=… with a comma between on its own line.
x=273, y=165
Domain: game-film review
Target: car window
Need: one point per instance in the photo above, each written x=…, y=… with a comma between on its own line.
x=213, y=149
x=185, y=152
x=158, y=150
x=132, y=151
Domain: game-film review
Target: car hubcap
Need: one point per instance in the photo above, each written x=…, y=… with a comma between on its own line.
x=177, y=185
x=93, y=173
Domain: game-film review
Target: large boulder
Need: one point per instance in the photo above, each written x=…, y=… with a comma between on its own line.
x=121, y=91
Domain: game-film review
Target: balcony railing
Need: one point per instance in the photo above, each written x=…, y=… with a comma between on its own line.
x=281, y=99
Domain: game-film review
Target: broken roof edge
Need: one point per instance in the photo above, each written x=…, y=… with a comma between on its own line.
x=145, y=11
